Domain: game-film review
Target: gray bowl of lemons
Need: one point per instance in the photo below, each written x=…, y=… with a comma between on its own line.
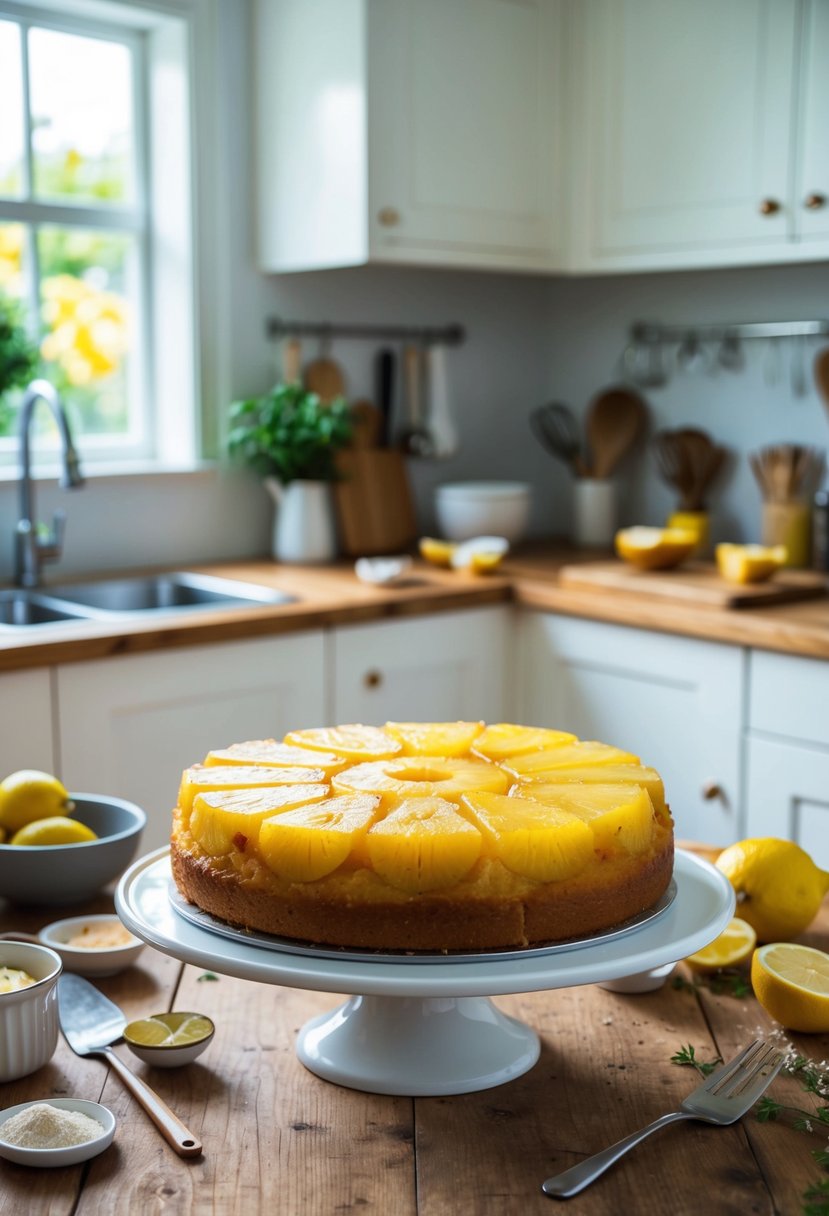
x=58, y=848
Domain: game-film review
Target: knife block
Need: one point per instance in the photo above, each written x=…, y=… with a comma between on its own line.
x=373, y=500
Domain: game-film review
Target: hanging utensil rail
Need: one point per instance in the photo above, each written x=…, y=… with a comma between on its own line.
x=650, y=332
x=428, y=335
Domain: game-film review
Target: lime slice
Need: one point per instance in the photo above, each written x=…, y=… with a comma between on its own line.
x=169, y=1030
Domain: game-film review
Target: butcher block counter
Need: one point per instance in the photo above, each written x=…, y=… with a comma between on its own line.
x=332, y=595
x=277, y=1139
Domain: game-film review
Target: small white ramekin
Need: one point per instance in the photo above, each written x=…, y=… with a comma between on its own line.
x=29, y=1018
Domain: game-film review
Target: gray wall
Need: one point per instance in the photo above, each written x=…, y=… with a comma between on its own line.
x=530, y=339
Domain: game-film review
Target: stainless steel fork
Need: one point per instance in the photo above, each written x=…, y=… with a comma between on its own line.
x=723, y=1097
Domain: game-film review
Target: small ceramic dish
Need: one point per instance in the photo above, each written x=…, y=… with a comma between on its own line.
x=169, y=1055
x=100, y=960
x=74, y=1153
x=382, y=571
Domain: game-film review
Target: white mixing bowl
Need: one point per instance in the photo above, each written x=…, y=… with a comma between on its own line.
x=477, y=508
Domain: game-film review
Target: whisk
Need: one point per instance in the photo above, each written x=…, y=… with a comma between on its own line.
x=788, y=472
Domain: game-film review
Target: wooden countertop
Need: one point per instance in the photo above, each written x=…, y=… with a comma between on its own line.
x=278, y=1139
x=333, y=595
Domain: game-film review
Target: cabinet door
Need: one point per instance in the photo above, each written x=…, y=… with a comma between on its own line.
x=787, y=794
x=26, y=713
x=440, y=668
x=129, y=726
x=464, y=112
x=688, y=117
x=811, y=201
x=675, y=702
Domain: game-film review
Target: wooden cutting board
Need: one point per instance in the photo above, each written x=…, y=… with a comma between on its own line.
x=694, y=583
x=374, y=503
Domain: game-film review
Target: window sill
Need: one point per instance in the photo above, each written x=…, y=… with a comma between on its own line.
x=116, y=469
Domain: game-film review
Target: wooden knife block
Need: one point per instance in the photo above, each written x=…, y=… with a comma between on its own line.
x=374, y=502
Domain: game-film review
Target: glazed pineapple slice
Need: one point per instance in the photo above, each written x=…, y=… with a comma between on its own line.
x=599, y=774
x=312, y=841
x=279, y=755
x=226, y=820
x=202, y=778
x=435, y=738
x=353, y=742
x=421, y=777
x=423, y=845
x=543, y=843
x=619, y=816
x=536, y=765
x=504, y=739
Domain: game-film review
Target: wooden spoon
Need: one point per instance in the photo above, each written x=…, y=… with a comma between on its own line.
x=325, y=377
x=615, y=420
x=822, y=375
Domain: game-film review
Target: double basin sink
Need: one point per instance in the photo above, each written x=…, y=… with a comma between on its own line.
x=110, y=599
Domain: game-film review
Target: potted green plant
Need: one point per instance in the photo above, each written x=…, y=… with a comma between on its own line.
x=291, y=438
x=19, y=357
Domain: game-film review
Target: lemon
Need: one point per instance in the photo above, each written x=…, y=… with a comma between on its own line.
x=791, y=982
x=55, y=830
x=749, y=563
x=29, y=795
x=438, y=552
x=480, y=555
x=169, y=1030
x=779, y=888
x=732, y=947
x=655, y=548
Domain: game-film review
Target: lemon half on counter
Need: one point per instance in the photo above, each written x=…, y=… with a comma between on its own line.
x=744, y=564
x=791, y=982
x=655, y=548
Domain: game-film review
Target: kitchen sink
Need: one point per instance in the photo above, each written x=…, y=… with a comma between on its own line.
x=162, y=592
x=32, y=608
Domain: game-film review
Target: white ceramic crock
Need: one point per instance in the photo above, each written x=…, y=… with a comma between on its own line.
x=303, y=530
x=29, y=1018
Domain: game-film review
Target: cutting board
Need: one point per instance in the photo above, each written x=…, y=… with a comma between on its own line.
x=374, y=502
x=694, y=583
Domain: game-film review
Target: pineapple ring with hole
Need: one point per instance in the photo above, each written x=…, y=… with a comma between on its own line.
x=421, y=777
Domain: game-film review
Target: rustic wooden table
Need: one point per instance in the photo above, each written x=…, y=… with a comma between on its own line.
x=279, y=1140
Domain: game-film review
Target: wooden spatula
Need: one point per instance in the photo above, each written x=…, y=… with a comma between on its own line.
x=326, y=378
x=615, y=420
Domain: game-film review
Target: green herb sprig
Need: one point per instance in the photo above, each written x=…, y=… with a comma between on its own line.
x=290, y=434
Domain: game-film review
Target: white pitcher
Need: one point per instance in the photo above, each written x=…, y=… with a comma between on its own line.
x=303, y=527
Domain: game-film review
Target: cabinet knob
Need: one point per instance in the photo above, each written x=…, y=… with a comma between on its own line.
x=389, y=217
x=814, y=202
x=712, y=791
x=769, y=206
x=373, y=679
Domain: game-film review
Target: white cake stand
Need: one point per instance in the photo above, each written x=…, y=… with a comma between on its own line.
x=420, y=1027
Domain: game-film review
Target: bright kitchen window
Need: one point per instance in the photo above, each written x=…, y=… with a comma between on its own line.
x=96, y=222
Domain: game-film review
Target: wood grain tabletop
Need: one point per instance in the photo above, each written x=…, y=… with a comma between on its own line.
x=279, y=1140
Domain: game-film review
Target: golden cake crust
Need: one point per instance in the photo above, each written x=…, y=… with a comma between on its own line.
x=327, y=913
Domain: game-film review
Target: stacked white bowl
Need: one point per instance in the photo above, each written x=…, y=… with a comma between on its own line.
x=466, y=509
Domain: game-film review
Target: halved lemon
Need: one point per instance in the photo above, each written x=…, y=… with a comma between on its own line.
x=791, y=982
x=480, y=555
x=734, y=945
x=169, y=1030
x=438, y=552
x=749, y=563
x=655, y=548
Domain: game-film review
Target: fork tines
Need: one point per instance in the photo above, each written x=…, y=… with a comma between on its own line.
x=754, y=1063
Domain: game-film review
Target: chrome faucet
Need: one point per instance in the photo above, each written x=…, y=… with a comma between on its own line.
x=34, y=542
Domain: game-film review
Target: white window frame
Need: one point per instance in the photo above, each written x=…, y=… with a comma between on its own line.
x=188, y=366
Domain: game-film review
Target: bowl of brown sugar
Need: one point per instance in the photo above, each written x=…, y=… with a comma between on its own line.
x=92, y=945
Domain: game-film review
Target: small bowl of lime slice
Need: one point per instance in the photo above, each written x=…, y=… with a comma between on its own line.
x=169, y=1040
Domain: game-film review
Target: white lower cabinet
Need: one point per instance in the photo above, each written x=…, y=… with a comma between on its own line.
x=787, y=751
x=26, y=739
x=447, y=667
x=129, y=726
x=676, y=702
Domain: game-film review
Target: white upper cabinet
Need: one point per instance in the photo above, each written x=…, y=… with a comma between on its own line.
x=418, y=133
x=706, y=131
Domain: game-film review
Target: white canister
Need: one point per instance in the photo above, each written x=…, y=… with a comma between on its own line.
x=303, y=529
x=594, y=513
x=29, y=1016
